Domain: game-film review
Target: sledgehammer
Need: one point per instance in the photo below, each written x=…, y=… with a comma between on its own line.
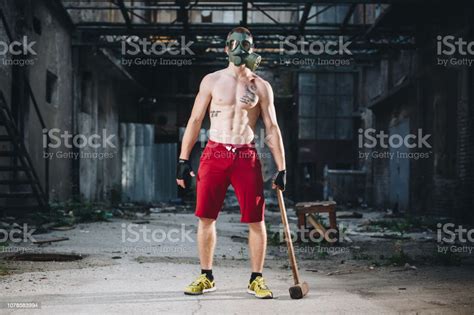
x=300, y=289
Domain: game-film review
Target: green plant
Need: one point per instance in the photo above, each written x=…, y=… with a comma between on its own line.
x=361, y=256
x=375, y=263
x=322, y=254
x=115, y=195
x=400, y=259
x=273, y=239
x=3, y=269
x=3, y=246
x=89, y=214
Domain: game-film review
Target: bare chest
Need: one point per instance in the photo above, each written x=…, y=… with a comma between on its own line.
x=231, y=92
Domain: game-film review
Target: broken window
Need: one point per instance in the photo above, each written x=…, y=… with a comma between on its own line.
x=325, y=106
x=51, y=87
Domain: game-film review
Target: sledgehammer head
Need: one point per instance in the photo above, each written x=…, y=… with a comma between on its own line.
x=299, y=291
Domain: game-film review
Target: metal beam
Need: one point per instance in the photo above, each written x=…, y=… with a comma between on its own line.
x=376, y=23
x=245, y=8
x=304, y=17
x=212, y=7
x=318, y=2
x=141, y=17
x=182, y=15
x=263, y=46
x=350, y=12
x=220, y=29
x=125, y=15
x=269, y=5
x=321, y=11
x=267, y=15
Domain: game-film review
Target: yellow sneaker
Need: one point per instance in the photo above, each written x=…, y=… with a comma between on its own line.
x=260, y=289
x=201, y=285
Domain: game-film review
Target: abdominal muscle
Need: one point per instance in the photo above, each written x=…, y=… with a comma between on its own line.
x=232, y=124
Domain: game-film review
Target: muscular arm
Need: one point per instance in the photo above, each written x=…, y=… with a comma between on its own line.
x=195, y=121
x=197, y=116
x=273, y=137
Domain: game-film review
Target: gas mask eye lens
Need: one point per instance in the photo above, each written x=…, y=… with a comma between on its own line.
x=246, y=45
x=232, y=44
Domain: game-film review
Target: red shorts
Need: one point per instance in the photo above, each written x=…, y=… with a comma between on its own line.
x=224, y=164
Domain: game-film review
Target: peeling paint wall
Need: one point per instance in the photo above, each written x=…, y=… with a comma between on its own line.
x=102, y=91
x=437, y=101
x=54, y=55
x=67, y=106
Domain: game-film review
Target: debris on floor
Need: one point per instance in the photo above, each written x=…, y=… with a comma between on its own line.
x=353, y=215
x=44, y=257
x=50, y=240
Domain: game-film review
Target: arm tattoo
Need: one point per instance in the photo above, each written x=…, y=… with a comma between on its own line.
x=250, y=96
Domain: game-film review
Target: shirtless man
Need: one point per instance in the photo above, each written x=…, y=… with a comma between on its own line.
x=236, y=98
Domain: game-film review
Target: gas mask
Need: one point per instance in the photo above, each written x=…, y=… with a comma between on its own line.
x=239, y=45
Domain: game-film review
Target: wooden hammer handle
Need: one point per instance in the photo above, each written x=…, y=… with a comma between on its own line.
x=289, y=243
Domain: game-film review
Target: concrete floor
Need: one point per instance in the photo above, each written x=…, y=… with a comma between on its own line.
x=148, y=278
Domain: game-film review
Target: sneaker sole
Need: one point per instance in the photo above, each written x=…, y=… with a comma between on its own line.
x=258, y=297
x=203, y=291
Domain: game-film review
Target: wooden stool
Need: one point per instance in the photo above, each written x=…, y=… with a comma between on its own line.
x=304, y=208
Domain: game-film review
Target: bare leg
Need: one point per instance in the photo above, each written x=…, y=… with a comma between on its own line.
x=206, y=236
x=257, y=245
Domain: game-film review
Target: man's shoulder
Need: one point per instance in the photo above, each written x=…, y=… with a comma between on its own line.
x=209, y=80
x=261, y=82
x=213, y=76
x=255, y=78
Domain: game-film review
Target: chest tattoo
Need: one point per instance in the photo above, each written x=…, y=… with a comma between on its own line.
x=250, y=95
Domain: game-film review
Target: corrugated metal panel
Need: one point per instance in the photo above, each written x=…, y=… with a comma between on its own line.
x=149, y=163
x=165, y=171
x=148, y=169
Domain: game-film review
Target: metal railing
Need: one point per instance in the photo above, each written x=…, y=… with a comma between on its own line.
x=36, y=108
